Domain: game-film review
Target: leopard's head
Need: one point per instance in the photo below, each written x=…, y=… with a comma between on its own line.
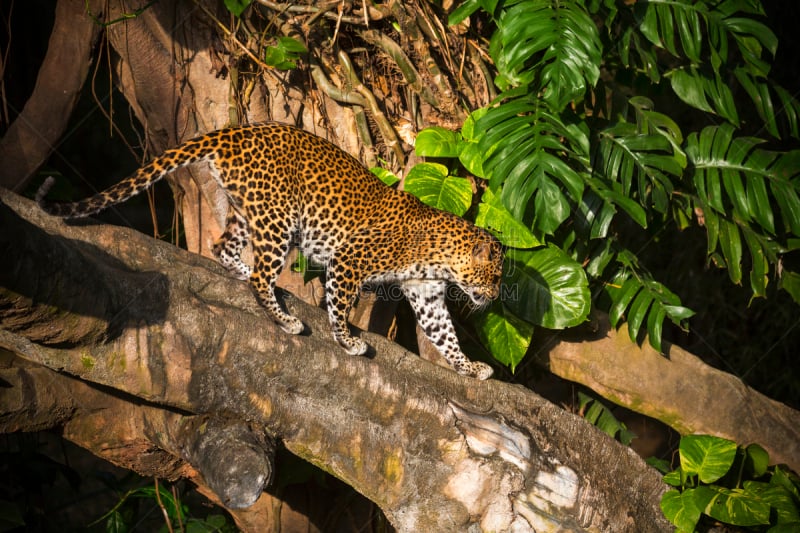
x=481, y=269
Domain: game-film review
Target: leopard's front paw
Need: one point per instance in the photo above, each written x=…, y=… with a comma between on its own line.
x=475, y=369
x=353, y=345
x=292, y=325
x=242, y=273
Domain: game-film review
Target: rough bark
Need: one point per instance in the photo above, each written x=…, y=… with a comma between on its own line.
x=182, y=79
x=436, y=451
x=168, y=69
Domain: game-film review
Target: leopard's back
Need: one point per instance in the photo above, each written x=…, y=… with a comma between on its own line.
x=272, y=170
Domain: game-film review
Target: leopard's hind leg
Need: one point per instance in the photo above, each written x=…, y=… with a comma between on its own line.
x=270, y=246
x=228, y=248
x=341, y=289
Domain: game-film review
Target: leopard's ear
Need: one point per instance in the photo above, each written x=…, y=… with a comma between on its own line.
x=482, y=252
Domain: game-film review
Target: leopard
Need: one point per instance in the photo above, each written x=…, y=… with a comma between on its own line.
x=287, y=186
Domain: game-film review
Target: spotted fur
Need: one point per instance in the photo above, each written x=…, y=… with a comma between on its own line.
x=286, y=184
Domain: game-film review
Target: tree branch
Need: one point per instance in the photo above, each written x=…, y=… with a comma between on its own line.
x=146, y=438
x=436, y=451
x=678, y=389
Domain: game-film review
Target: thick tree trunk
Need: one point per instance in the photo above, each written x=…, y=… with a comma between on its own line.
x=436, y=451
x=32, y=137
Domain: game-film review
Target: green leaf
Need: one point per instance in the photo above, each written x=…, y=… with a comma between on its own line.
x=792, y=527
x=431, y=183
x=673, y=478
x=783, y=180
x=284, y=55
x=758, y=92
x=690, y=33
x=697, y=88
x=702, y=80
x=525, y=158
x=463, y=11
x=677, y=312
x=599, y=257
x=655, y=326
x=292, y=45
x=790, y=282
x=551, y=207
x=622, y=297
x=787, y=480
x=554, y=45
x=759, y=203
x=689, y=88
x=631, y=207
x=601, y=417
x=472, y=159
x=471, y=156
x=791, y=108
x=751, y=35
x=276, y=57
x=637, y=313
x=739, y=187
x=658, y=26
x=759, y=267
x=731, y=244
x=494, y=216
x=626, y=156
x=505, y=334
x=662, y=465
x=116, y=523
x=386, y=176
x=436, y=141
x=706, y=456
x=642, y=296
x=757, y=460
x=779, y=498
x=309, y=269
x=737, y=507
x=683, y=509
x=237, y=7
x=550, y=288
x=637, y=54
x=468, y=130
x=594, y=216
x=172, y=505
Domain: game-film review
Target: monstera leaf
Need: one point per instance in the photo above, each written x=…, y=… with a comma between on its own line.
x=552, y=45
x=703, y=33
x=746, y=194
x=494, y=216
x=525, y=160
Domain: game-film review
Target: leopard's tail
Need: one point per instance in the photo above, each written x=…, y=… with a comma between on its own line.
x=171, y=160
